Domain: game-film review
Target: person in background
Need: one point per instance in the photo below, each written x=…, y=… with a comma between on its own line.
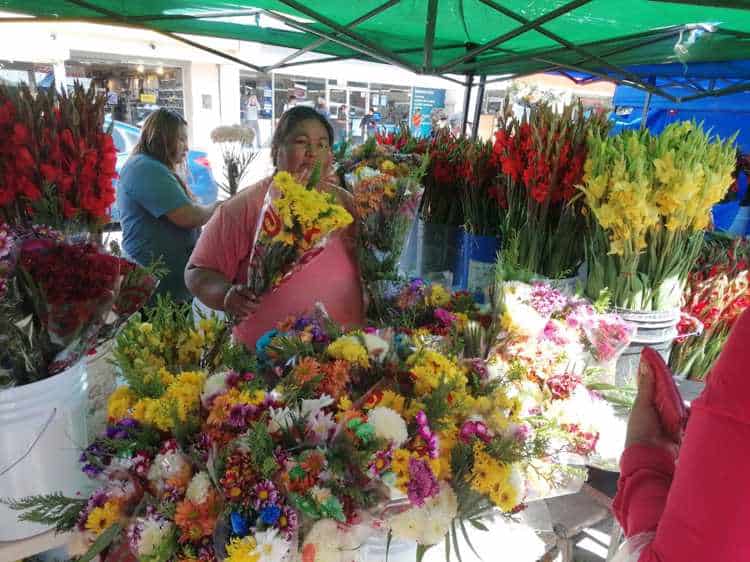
x=697, y=509
x=290, y=103
x=217, y=271
x=159, y=216
x=252, y=109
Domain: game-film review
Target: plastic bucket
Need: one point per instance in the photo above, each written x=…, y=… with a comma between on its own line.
x=657, y=330
x=476, y=256
x=43, y=428
x=437, y=248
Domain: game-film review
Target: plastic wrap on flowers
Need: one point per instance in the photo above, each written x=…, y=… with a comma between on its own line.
x=386, y=202
x=295, y=225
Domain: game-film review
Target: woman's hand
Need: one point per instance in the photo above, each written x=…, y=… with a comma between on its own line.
x=644, y=426
x=240, y=302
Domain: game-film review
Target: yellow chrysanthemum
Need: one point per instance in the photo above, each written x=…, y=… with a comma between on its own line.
x=102, y=518
x=492, y=478
x=242, y=550
x=120, y=402
x=438, y=296
x=349, y=348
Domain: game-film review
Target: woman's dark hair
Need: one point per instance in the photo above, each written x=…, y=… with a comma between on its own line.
x=289, y=121
x=159, y=136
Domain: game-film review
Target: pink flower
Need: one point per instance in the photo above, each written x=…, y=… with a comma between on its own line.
x=422, y=482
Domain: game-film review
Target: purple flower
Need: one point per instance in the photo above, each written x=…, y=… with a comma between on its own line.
x=422, y=482
x=265, y=493
x=446, y=318
x=421, y=418
x=239, y=414
x=547, y=300
x=233, y=379
x=92, y=471
x=288, y=522
x=471, y=429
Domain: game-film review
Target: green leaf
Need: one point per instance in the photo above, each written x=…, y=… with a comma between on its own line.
x=478, y=525
x=467, y=539
x=50, y=509
x=102, y=542
x=454, y=536
x=388, y=540
x=421, y=551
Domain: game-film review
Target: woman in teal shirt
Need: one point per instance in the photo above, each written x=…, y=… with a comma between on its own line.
x=158, y=214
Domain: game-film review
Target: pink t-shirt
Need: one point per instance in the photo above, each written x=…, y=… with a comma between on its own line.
x=332, y=278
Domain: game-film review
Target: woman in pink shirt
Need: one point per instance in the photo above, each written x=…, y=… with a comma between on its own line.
x=695, y=508
x=217, y=270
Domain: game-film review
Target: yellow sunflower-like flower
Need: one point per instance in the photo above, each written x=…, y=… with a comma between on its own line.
x=350, y=349
x=120, y=402
x=102, y=518
x=242, y=550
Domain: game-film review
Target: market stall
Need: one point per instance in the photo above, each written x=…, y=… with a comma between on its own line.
x=324, y=437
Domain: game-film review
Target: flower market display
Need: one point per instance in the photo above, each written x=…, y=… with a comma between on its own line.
x=387, y=191
x=61, y=292
x=717, y=292
x=323, y=438
x=650, y=198
x=541, y=161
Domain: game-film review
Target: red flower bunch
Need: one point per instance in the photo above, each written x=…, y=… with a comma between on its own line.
x=56, y=162
x=717, y=292
x=541, y=159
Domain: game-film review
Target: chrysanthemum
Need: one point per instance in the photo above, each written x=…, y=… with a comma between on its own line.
x=264, y=493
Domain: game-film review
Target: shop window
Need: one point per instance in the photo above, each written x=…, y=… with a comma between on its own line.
x=134, y=90
x=391, y=103
x=299, y=90
x=35, y=76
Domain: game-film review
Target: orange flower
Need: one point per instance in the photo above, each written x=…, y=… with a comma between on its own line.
x=308, y=553
x=313, y=463
x=307, y=370
x=196, y=520
x=336, y=377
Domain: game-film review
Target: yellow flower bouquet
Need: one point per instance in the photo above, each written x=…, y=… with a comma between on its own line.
x=296, y=222
x=650, y=198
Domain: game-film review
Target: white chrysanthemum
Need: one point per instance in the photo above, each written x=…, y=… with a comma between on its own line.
x=377, y=347
x=214, y=385
x=321, y=424
x=311, y=406
x=271, y=546
x=389, y=425
x=428, y=524
x=517, y=482
x=153, y=534
x=281, y=419
x=197, y=490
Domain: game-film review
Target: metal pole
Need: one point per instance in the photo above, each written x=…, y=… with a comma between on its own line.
x=478, y=107
x=467, y=99
x=647, y=104
x=429, y=35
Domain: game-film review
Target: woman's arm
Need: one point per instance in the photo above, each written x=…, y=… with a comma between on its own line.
x=191, y=215
x=215, y=291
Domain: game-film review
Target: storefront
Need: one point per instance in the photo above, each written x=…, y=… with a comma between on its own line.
x=35, y=75
x=134, y=88
x=256, y=104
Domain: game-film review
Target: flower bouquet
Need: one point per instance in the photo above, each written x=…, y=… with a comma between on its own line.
x=386, y=200
x=296, y=222
x=650, y=197
x=59, y=297
x=323, y=438
x=717, y=292
x=56, y=162
x=541, y=157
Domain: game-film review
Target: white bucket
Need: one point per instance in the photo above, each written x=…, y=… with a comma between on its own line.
x=42, y=431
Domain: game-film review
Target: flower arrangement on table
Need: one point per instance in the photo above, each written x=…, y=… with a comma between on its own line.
x=650, y=198
x=322, y=438
x=717, y=292
x=541, y=159
x=387, y=193
x=61, y=293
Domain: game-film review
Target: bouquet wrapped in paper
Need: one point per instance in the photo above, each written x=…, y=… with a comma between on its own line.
x=59, y=297
x=296, y=223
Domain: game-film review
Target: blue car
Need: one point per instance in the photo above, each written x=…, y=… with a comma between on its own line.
x=200, y=177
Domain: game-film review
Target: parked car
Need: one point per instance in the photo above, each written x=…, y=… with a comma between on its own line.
x=200, y=178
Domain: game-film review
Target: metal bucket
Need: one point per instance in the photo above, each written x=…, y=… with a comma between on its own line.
x=657, y=330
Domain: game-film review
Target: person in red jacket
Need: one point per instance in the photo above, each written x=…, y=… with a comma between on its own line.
x=695, y=508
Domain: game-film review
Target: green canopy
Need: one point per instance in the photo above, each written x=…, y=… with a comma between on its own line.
x=464, y=37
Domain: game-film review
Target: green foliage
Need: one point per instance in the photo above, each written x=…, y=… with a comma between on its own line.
x=102, y=542
x=260, y=444
x=49, y=509
x=437, y=406
x=165, y=551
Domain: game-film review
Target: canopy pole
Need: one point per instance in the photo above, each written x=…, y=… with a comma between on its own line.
x=647, y=103
x=429, y=35
x=467, y=99
x=478, y=107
